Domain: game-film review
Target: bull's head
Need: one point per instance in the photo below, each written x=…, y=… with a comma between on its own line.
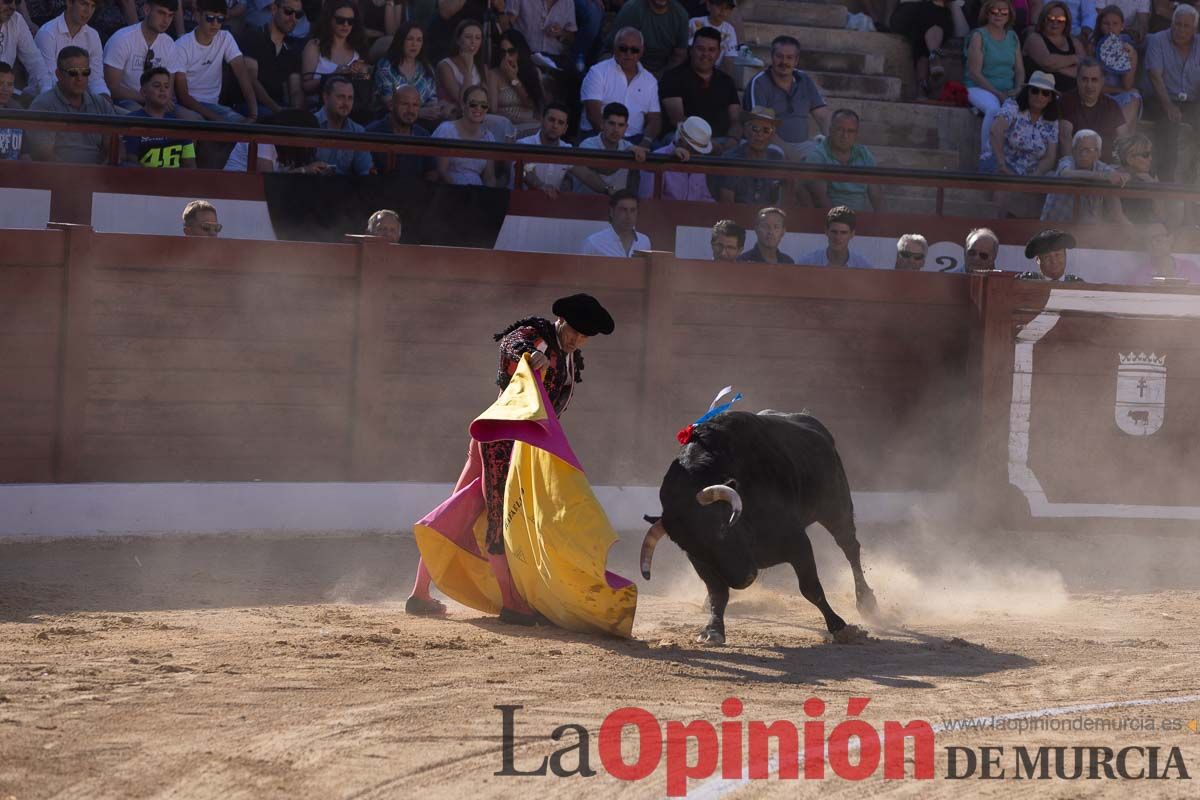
x=717, y=493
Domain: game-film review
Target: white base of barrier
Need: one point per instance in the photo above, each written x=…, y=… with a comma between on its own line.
x=40, y=511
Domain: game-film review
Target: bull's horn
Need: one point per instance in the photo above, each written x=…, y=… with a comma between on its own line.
x=656, y=532
x=721, y=492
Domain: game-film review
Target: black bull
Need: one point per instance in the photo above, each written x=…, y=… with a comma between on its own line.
x=739, y=497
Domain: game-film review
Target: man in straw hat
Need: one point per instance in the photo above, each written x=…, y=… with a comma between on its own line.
x=555, y=351
x=759, y=129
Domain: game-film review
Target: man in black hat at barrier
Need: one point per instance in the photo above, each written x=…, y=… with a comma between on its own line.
x=555, y=351
x=1049, y=249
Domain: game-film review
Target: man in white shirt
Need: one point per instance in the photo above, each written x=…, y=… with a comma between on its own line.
x=203, y=53
x=622, y=79
x=612, y=138
x=549, y=177
x=621, y=237
x=134, y=49
x=71, y=28
x=16, y=43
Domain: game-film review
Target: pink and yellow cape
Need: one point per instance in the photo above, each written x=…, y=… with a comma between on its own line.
x=555, y=533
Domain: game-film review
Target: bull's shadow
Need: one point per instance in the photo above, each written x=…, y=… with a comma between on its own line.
x=890, y=662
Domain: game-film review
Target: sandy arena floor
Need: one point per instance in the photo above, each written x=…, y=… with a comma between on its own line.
x=258, y=668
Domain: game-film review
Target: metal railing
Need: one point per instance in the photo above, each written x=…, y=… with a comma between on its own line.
x=257, y=134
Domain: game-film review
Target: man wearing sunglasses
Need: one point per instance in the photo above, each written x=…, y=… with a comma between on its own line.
x=135, y=49
x=71, y=96
x=71, y=28
x=272, y=54
x=203, y=53
x=981, y=248
x=911, y=250
x=622, y=79
x=16, y=44
x=200, y=219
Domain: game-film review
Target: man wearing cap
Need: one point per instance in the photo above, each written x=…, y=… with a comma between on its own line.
x=1049, y=249
x=693, y=137
x=748, y=189
x=699, y=89
x=555, y=351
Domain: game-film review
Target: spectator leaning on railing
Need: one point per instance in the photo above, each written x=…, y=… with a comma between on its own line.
x=793, y=95
x=693, y=137
x=750, y=189
x=402, y=121
x=337, y=106
x=160, y=151
x=728, y=239
x=549, y=177
x=612, y=138
x=10, y=138
x=911, y=250
x=841, y=148
x=71, y=96
x=1084, y=164
x=16, y=44
x=71, y=28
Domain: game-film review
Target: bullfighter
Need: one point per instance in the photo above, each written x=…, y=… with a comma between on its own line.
x=555, y=351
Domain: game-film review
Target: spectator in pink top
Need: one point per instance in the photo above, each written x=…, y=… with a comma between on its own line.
x=1159, y=262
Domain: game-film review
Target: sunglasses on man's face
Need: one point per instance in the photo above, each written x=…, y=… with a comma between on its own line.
x=211, y=18
x=292, y=12
x=1045, y=92
x=624, y=48
x=477, y=104
x=343, y=20
x=79, y=72
x=211, y=227
x=761, y=129
x=998, y=12
x=982, y=255
x=1059, y=20
x=911, y=256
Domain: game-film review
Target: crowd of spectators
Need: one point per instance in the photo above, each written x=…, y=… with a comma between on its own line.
x=1062, y=87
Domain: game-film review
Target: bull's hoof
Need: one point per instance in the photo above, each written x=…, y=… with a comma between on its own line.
x=867, y=607
x=851, y=634
x=710, y=636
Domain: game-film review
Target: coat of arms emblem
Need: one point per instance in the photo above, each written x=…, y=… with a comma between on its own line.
x=1141, y=393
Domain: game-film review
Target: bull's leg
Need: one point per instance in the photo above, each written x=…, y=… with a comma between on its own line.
x=845, y=534
x=718, y=598
x=810, y=584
